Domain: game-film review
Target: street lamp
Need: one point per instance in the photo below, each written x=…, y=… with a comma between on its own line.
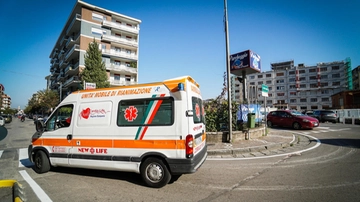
x=60, y=90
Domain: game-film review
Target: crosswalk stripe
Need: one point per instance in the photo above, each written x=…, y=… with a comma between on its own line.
x=24, y=158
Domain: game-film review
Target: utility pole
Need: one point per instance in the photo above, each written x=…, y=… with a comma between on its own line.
x=228, y=69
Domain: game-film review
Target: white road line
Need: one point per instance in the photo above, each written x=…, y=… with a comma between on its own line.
x=1, y=151
x=35, y=187
x=24, y=158
x=318, y=143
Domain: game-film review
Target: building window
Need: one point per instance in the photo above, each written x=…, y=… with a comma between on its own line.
x=302, y=93
x=280, y=81
x=291, y=72
x=252, y=83
x=337, y=83
x=127, y=78
x=117, y=62
x=325, y=92
x=252, y=77
x=303, y=100
x=97, y=31
x=323, y=69
x=335, y=68
x=312, y=70
x=292, y=100
x=313, y=77
x=268, y=75
x=260, y=82
x=127, y=64
x=336, y=75
x=324, y=84
x=268, y=82
x=291, y=79
x=302, y=79
x=280, y=74
x=313, y=92
x=260, y=76
x=280, y=87
x=292, y=87
x=117, y=77
x=128, y=37
x=313, y=85
x=324, y=76
x=325, y=99
x=98, y=17
x=302, y=85
x=128, y=51
x=269, y=102
x=270, y=95
x=302, y=71
x=313, y=99
x=280, y=94
x=292, y=93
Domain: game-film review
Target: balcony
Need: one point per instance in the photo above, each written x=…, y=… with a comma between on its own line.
x=119, y=26
x=72, y=68
x=73, y=39
x=121, y=68
x=119, y=54
x=77, y=18
x=115, y=39
x=71, y=81
x=75, y=47
x=64, y=38
x=122, y=83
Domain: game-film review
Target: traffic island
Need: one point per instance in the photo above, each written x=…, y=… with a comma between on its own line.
x=11, y=191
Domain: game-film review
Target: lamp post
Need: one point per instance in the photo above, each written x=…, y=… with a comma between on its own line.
x=60, y=90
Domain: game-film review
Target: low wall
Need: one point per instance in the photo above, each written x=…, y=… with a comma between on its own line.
x=216, y=137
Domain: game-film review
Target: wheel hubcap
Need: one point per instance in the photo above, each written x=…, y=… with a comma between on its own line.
x=154, y=172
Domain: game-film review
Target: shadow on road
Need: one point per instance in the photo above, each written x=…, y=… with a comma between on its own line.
x=3, y=132
x=352, y=143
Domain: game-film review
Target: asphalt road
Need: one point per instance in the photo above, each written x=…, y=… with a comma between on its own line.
x=329, y=172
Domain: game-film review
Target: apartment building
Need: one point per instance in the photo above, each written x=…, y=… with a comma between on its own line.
x=5, y=100
x=118, y=39
x=356, y=78
x=300, y=87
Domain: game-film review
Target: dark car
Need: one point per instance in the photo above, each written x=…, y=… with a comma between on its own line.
x=325, y=115
x=7, y=117
x=291, y=118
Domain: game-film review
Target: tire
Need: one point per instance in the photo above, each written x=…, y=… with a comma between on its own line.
x=296, y=126
x=42, y=163
x=269, y=124
x=155, y=173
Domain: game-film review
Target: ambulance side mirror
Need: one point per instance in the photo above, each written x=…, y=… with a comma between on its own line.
x=39, y=126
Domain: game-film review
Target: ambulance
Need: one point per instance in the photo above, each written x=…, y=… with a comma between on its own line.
x=156, y=130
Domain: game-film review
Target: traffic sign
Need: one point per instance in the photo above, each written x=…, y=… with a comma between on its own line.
x=264, y=90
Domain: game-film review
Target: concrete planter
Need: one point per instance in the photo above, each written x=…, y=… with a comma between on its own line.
x=216, y=137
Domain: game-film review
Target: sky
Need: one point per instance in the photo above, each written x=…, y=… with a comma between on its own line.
x=183, y=37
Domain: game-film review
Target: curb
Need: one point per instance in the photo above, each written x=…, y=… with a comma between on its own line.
x=11, y=190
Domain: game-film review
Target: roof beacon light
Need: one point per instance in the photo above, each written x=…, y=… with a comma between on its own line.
x=180, y=86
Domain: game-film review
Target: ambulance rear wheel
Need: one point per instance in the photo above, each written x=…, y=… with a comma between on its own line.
x=155, y=173
x=41, y=161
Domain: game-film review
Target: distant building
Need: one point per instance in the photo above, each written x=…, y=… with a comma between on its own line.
x=5, y=100
x=356, y=78
x=117, y=35
x=300, y=87
x=349, y=99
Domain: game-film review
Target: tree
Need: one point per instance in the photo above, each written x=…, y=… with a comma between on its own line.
x=95, y=71
x=42, y=102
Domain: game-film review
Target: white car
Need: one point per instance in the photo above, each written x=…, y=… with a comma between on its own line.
x=2, y=121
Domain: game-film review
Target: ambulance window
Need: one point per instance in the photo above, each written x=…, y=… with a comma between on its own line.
x=198, y=110
x=60, y=118
x=146, y=112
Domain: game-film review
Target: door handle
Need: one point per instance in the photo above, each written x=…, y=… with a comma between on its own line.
x=69, y=137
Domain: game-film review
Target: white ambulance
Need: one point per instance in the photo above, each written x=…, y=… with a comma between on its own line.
x=155, y=129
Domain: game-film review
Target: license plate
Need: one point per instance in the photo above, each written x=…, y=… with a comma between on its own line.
x=198, y=140
x=315, y=124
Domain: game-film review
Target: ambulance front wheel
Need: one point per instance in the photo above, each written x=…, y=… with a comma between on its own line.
x=155, y=173
x=41, y=161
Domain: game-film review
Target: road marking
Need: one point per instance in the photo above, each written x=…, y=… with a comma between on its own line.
x=318, y=143
x=1, y=151
x=24, y=158
x=40, y=193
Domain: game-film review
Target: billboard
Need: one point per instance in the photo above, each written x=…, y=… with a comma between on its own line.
x=247, y=61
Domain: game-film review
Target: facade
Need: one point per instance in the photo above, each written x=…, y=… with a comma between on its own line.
x=5, y=100
x=349, y=99
x=356, y=78
x=117, y=36
x=301, y=87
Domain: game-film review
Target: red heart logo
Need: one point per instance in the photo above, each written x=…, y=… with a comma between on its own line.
x=85, y=113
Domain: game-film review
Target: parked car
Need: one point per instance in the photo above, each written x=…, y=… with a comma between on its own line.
x=308, y=113
x=7, y=117
x=2, y=121
x=325, y=115
x=291, y=118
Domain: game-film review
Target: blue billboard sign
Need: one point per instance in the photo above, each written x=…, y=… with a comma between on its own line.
x=247, y=61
